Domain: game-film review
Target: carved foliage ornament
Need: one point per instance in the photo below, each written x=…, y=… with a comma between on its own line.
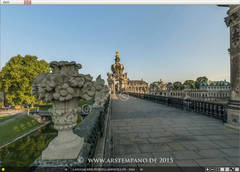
x=63, y=84
x=233, y=21
x=235, y=35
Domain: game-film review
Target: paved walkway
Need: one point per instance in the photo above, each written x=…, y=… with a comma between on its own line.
x=16, y=116
x=4, y=113
x=143, y=129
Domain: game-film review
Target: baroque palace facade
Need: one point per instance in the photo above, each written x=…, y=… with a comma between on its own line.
x=208, y=91
x=119, y=81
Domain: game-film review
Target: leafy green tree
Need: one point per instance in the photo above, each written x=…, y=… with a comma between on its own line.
x=200, y=80
x=170, y=86
x=178, y=86
x=189, y=84
x=16, y=78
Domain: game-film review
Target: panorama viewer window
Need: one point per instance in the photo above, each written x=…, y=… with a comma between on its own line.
x=127, y=85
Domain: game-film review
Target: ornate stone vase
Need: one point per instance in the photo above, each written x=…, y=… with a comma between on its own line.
x=63, y=88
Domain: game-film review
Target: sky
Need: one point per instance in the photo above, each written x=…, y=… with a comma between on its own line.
x=171, y=42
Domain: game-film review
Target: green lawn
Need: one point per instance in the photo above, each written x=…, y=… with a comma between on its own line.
x=41, y=107
x=45, y=107
x=83, y=102
x=5, y=118
x=16, y=128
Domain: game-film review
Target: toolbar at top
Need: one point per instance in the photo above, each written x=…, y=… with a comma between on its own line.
x=32, y=2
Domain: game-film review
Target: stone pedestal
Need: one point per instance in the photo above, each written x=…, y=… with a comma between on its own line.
x=233, y=111
x=40, y=165
x=65, y=146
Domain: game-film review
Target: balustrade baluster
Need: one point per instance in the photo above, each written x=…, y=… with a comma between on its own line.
x=201, y=107
x=207, y=109
x=211, y=109
x=214, y=111
x=197, y=106
x=194, y=106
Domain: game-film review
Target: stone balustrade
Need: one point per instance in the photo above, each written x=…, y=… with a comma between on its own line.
x=215, y=110
x=206, y=95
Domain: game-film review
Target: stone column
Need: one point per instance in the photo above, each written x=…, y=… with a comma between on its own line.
x=113, y=88
x=233, y=22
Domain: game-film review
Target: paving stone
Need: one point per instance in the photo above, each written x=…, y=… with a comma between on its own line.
x=189, y=146
x=153, y=148
x=214, y=162
x=222, y=143
x=163, y=154
x=231, y=152
x=138, y=140
x=185, y=155
x=211, y=153
x=202, y=138
x=234, y=160
x=160, y=140
x=125, y=141
x=234, y=143
x=205, y=145
x=126, y=149
x=176, y=146
x=217, y=137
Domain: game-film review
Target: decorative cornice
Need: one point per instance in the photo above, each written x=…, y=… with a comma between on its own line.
x=233, y=19
x=235, y=35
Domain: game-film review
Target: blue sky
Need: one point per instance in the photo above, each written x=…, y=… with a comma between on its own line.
x=172, y=42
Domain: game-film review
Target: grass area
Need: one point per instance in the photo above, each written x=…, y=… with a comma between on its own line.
x=41, y=107
x=16, y=128
x=45, y=107
x=48, y=106
x=83, y=102
x=24, y=151
x=222, y=101
x=6, y=118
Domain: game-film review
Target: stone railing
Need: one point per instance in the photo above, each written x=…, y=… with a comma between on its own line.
x=205, y=95
x=91, y=130
x=216, y=110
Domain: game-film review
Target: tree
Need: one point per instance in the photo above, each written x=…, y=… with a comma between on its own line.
x=16, y=78
x=178, y=86
x=169, y=86
x=189, y=84
x=200, y=80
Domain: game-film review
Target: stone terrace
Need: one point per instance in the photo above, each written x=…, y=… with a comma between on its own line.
x=141, y=128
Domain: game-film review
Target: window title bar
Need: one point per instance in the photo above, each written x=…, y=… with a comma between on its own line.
x=32, y=2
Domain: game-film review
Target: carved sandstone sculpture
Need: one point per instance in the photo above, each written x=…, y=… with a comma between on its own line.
x=102, y=92
x=64, y=87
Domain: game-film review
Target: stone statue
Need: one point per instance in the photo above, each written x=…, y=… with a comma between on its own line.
x=64, y=87
x=102, y=92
